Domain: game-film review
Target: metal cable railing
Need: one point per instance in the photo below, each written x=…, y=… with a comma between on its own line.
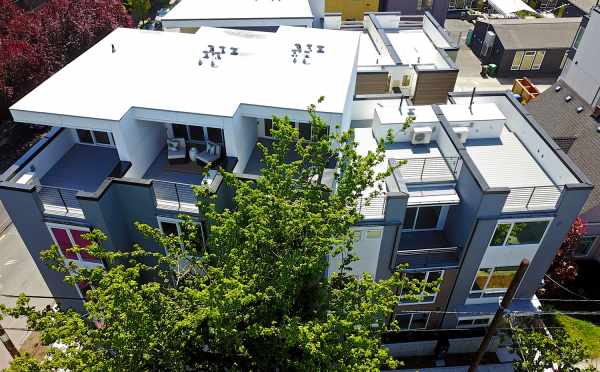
x=429, y=257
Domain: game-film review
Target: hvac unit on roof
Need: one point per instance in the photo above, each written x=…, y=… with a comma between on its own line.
x=462, y=133
x=421, y=135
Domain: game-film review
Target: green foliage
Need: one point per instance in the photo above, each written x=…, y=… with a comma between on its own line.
x=139, y=9
x=540, y=352
x=584, y=330
x=252, y=297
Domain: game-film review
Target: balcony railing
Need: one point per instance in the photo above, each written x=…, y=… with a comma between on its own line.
x=371, y=207
x=533, y=198
x=432, y=257
x=175, y=196
x=434, y=169
x=60, y=201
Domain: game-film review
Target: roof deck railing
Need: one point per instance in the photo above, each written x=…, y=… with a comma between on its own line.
x=60, y=201
x=175, y=196
x=533, y=198
x=433, y=169
x=371, y=208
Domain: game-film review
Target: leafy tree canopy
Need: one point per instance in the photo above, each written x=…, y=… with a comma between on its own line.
x=254, y=296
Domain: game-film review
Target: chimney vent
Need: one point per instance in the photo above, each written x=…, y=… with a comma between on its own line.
x=568, y=98
x=234, y=51
x=579, y=109
x=557, y=88
x=320, y=49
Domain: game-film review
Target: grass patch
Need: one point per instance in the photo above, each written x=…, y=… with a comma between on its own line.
x=588, y=332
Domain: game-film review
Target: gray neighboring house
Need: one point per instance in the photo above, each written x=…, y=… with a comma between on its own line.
x=524, y=47
x=437, y=8
x=574, y=122
x=482, y=188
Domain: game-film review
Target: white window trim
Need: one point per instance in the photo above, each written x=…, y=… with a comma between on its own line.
x=513, y=66
x=177, y=223
x=441, y=219
x=485, y=292
x=489, y=319
x=411, y=320
x=422, y=294
x=533, y=65
x=79, y=261
x=111, y=138
x=519, y=66
x=513, y=222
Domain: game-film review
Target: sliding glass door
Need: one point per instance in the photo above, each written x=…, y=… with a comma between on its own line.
x=198, y=134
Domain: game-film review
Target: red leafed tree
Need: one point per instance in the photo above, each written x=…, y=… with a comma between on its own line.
x=564, y=267
x=35, y=44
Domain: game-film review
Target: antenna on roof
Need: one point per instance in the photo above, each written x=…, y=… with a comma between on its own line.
x=112, y=46
x=471, y=103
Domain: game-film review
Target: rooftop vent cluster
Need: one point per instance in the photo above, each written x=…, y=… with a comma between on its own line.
x=305, y=54
x=214, y=54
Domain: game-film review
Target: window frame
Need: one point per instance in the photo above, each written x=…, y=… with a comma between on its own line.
x=422, y=295
x=485, y=292
x=410, y=322
x=177, y=222
x=538, y=66
x=523, y=53
x=512, y=224
x=513, y=66
x=111, y=138
x=440, y=222
x=79, y=261
x=296, y=125
x=473, y=319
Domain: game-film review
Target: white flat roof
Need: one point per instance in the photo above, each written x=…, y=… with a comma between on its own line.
x=415, y=48
x=507, y=7
x=239, y=9
x=368, y=54
x=160, y=70
x=392, y=115
x=478, y=112
x=505, y=162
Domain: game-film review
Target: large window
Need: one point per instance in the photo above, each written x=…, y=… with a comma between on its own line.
x=408, y=321
x=66, y=237
x=172, y=226
x=528, y=60
x=585, y=245
x=422, y=218
x=425, y=294
x=473, y=322
x=305, y=130
x=493, y=281
x=95, y=137
x=519, y=233
x=197, y=133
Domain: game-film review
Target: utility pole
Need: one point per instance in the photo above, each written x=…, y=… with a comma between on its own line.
x=506, y=300
x=14, y=352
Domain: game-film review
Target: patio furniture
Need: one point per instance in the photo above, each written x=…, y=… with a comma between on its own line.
x=211, y=154
x=176, y=150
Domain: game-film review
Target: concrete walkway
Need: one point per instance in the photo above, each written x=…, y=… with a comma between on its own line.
x=18, y=274
x=4, y=219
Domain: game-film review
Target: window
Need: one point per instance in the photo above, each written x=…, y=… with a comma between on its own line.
x=95, y=137
x=373, y=234
x=268, y=127
x=197, y=133
x=578, y=37
x=427, y=295
x=528, y=60
x=304, y=130
x=517, y=60
x=585, y=244
x=564, y=60
x=65, y=237
x=537, y=61
x=408, y=321
x=473, y=322
x=422, y=218
x=171, y=226
x=492, y=282
x=519, y=233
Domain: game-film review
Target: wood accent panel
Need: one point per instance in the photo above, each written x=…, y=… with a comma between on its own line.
x=352, y=10
x=372, y=83
x=433, y=87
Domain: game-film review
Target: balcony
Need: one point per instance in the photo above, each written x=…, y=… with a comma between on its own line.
x=533, y=198
x=426, y=249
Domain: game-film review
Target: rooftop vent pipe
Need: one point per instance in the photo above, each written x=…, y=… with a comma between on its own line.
x=557, y=88
x=234, y=51
x=112, y=47
x=568, y=98
x=320, y=49
x=579, y=109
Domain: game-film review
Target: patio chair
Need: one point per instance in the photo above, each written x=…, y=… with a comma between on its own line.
x=176, y=151
x=211, y=154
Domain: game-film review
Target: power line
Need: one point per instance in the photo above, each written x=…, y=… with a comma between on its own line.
x=565, y=288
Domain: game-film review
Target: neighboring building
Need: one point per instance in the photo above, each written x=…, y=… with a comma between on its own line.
x=108, y=162
x=577, y=8
x=574, y=123
x=399, y=58
x=482, y=188
x=524, y=47
x=351, y=10
x=437, y=8
x=260, y=15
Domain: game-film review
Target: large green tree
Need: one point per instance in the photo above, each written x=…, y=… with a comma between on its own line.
x=254, y=295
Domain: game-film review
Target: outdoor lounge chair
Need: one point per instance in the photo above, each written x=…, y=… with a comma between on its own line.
x=176, y=150
x=211, y=154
